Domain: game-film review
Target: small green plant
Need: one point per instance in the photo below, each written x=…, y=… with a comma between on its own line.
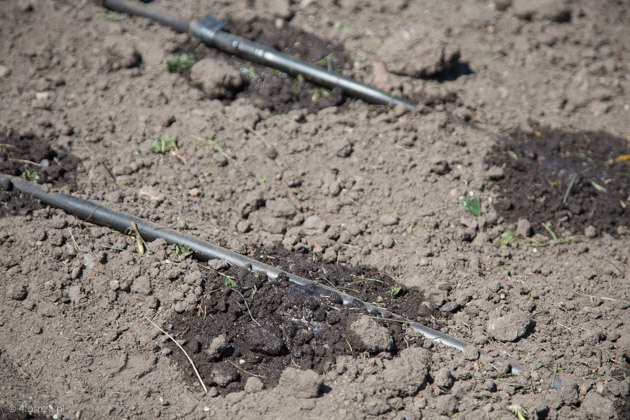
x=164, y=144
x=29, y=175
x=506, y=237
x=181, y=251
x=394, y=291
x=229, y=282
x=261, y=179
x=472, y=204
x=180, y=64
x=518, y=411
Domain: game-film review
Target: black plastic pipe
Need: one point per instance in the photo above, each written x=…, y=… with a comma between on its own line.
x=99, y=215
x=208, y=30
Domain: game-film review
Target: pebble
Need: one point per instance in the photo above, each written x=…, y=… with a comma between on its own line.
x=342, y=147
x=218, y=264
x=217, y=347
x=4, y=71
x=315, y=222
x=388, y=242
x=449, y=307
x=389, y=220
x=17, y=291
x=590, y=232
x=272, y=153
x=524, y=228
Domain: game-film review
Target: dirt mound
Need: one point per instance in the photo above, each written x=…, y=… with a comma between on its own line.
x=270, y=89
x=567, y=180
x=251, y=326
x=35, y=160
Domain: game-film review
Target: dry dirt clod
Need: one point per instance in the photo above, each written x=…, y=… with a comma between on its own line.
x=509, y=326
x=301, y=383
x=374, y=338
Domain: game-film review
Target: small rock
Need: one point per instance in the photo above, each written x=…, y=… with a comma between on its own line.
x=444, y=378
x=218, y=264
x=75, y=294
x=217, y=347
x=278, y=8
x=524, y=228
x=301, y=383
x=244, y=226
x=495, y=173
x=315, y=222
x=223, y=375
x=150, y=194
x=590, y=232
x=264, y=340
x=388, y=242
x=553, y=10
x=449, y=307
x=17, y=291
x=342, y=147
x=271, y=152
x=253, y=385
x=4, y=71
x=388, y=220
x=374, y=337
x=509, y=327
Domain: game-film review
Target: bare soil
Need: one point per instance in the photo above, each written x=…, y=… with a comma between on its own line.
x=523, y=105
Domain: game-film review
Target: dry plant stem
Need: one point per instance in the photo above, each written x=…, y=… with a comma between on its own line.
x=183, y=351
x=28, y=162
x=247, y=306
x=244, y=371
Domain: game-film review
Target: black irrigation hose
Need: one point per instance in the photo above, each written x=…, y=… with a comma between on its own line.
x=208, y=30
x=94, y=213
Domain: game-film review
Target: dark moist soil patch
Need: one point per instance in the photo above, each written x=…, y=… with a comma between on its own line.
x=34, y=160
x=271, y=89
x=249, y=325
x=566, y=180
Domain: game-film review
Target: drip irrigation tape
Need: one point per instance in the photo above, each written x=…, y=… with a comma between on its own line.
x=208, y=30
x=97, y=214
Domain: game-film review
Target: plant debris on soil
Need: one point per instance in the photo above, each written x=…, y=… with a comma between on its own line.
x=270, y=89
x=250, y=326
x=34, y=160
x=570, y=180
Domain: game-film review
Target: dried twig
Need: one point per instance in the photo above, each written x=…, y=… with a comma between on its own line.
x=183, y=351
x=244, y=371
x=247, y=306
